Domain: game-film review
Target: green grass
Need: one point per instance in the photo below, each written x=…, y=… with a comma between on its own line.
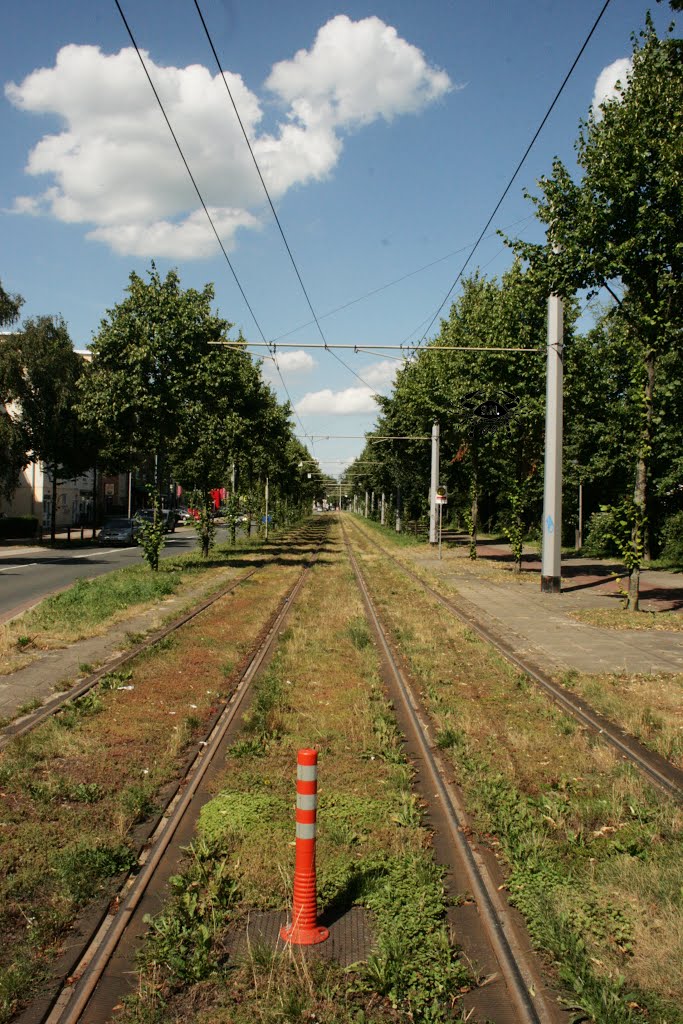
x=91, y=602
x=403, y=539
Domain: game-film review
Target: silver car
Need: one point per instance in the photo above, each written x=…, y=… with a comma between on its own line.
x=118, y=530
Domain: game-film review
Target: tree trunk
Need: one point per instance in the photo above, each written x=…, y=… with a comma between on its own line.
x=94, y=498
x=53, y=511
x=640, y=489
x=474, y=513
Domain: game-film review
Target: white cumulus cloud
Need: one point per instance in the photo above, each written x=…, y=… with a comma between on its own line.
x=297, y=361
x=342, y=403
x=113, y=165
x=605, y=86
x=356, y=72
x=380, y=374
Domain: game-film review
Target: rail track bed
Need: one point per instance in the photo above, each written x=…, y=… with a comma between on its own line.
x=468, y=817
x=657, y=769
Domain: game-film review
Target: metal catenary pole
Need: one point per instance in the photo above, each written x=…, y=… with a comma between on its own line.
x=434, y=483
x=266, y=508
x=552, y=480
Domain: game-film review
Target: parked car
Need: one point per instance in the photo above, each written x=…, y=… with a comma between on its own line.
x=117, y=530
x=167, y=515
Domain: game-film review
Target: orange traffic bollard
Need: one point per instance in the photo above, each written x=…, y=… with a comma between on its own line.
x=304, y=929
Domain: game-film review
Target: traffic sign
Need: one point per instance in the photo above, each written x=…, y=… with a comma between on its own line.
x=441, y=499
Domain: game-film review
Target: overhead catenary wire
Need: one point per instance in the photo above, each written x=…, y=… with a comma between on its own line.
x=272, y=207
x=368, y=349
x=201, y=200
x=398, y=280
x=518, y=167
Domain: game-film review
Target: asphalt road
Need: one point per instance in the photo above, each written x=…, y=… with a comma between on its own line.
x=29, y=574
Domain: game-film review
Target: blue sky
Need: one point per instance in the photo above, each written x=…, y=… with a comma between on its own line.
x=386, y=133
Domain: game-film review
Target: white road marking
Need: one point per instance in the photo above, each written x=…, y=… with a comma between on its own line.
x=26, y=566
x=107, y=551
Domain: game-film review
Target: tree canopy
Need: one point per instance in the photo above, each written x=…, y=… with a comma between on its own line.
x=619, y=228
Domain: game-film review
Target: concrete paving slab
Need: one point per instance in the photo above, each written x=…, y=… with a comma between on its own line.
x=540, y=627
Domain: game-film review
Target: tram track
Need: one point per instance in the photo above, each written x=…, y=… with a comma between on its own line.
x=87, y=963
x=508, y=943
x=515, y=989
x=92, y=988
x=26, y=723
x=656, y=769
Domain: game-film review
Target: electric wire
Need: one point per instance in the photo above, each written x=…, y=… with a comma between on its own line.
x=272, y=207
x=400, y=280
x=519, y=166
x=201, y=200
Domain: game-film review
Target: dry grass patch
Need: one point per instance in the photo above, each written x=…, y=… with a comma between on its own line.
x=613, y=618
x=650, y=707
x=454, y=559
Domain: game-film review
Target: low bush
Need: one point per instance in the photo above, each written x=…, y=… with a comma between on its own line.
x=599, y=542
x=18, y=527
x=672, y=539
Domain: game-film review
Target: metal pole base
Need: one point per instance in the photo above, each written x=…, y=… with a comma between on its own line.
x=551, y=584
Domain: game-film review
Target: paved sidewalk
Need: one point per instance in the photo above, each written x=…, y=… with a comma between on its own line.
x=539, y=627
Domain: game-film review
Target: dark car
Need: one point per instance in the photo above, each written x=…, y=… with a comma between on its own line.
x=168, y=518
x=117, y=530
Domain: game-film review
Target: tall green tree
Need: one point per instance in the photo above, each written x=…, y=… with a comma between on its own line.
x=44, y=386
x=146, y=358
x=619, y=227
x=13, y=441
x=485, y=470
x=162, y=383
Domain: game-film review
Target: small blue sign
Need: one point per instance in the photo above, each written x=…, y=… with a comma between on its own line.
x=549, y=524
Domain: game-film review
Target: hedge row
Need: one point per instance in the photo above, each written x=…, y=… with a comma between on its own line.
x=18, y=527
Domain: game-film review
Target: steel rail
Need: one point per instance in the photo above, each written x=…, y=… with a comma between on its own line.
x=662, y=773
x=26, y=723
x=483, y=889
x=72, y=1000
x=29, y=722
